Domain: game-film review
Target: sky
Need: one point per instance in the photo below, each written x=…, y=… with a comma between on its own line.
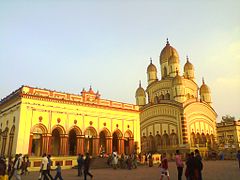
x=67, y=45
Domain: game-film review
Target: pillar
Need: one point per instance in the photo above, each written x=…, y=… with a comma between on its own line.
x=95, y=146
x=131, y=145
x=63, y=145
x=108, y=145
x=46, y=144
x=30, y=145
x=184, y=130
x=80, y=144
x=121, y=145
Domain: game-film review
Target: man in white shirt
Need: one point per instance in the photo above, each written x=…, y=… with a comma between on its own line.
x=44, y=166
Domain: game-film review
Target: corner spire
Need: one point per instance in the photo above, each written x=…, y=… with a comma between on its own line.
x=167, y=42
x=140, y=85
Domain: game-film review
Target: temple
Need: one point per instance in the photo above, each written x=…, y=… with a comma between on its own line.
x=35, y=121
x=174, y=112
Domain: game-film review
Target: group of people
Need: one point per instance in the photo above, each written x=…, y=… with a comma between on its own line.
x=45, y=169
x=193, y=163
x=123, y=162
x=84, y=165
x=14, y=168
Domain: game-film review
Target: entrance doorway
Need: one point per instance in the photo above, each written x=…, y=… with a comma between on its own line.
x=115, y=142
x=72, y=143
x=55, y=142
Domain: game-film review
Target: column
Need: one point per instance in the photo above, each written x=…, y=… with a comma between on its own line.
x=30, y=144
x=95, y=146
x=46, y=143
x=63, y=145
x=108, y=145
x=120, y=146
x=80, y=145
x=131, y=145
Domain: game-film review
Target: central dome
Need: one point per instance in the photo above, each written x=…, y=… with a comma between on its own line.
x=167, y=52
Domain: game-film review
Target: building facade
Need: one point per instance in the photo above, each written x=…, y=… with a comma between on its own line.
x=228, y=133
x=174, y=112
x=35, y=121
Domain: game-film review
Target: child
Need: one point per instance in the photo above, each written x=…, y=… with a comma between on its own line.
x=164, y=167
x=58, y=171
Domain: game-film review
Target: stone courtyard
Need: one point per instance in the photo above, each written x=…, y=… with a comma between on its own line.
x=212, y=170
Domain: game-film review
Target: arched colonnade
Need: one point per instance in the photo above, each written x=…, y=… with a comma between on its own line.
x=75, y=141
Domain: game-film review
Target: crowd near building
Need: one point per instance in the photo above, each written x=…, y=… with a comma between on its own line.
x=36, y=121
x=174, y=111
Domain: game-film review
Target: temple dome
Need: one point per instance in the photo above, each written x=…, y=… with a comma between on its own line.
x=151, y=67
x=140, y=91
x=167, y=52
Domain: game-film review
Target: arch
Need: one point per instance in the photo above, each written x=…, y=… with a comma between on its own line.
x=60, y=128
x=167, y=96
x=118, y=132
x=36, y=139
x=11, y=137
x=4, y=140
x=158, y=142
x=173, y=139
x=144, y=144
x=90, y=131
x=77, y=130
x=192, y=139
x=203, y=139
x=106, y=131
x=198, y=139
x=39, y=128
x=12, y=131
x=165, y=140
x=56, y=141
x=128, y=134
x=72, y=141
x=151, y=144
x=161, y=97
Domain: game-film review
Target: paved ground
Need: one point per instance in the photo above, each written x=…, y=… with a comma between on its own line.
x=213, y=170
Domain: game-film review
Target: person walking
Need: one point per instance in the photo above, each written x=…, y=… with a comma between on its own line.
x=87, y=166
x=198, y=166
x=164, y=167
x=179, y=164
x=3, y=168
x=115, y=161
x=10, y=167
x=238, y=158
x=80, y=164
x=49, y=167
x=189, y=172
x=44, y=167
x=17, y=167
x=58, y=172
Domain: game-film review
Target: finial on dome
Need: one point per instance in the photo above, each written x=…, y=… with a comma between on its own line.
x=90, y=88
x=150, y=60
x=167, y=42
x=187, y=58
x=203, y=80
x=177, y=71
x=140, y=83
